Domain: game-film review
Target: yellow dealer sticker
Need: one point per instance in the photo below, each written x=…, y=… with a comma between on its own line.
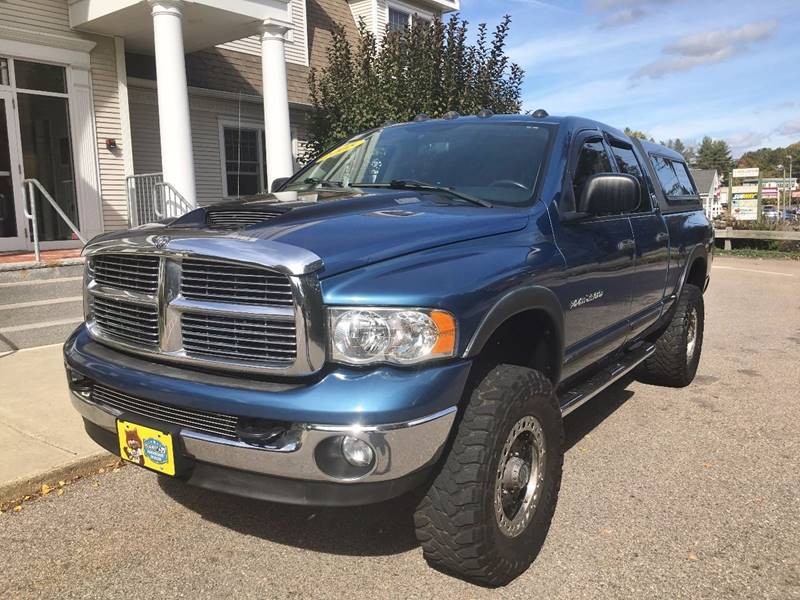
x=146, y=447
x=342, y=149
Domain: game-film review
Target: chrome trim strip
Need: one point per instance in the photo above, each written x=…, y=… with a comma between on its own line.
x=230, y=309
x=95, y=289
x=400, y=448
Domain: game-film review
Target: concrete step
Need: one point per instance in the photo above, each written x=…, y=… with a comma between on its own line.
x=75, y=269
x=39, y=306
x=16, y=292
x=38, y=334
x=38, y=311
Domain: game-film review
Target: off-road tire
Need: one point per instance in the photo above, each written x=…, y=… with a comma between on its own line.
x=669, y=366
x=455, y=521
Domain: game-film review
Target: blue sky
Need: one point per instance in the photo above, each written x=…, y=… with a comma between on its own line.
x=672, y=68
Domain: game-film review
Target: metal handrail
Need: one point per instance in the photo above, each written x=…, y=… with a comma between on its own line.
x=30, y=213
x=142, y=197
x=170, y=201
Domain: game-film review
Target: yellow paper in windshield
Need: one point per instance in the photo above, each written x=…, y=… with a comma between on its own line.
x=343, y=149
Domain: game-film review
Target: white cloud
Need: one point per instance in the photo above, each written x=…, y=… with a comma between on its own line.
x=791, y=127
x=625, y=12
x=712, y=47
x=623, y=17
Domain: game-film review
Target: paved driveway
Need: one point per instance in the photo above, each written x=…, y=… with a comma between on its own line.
x=691, y=493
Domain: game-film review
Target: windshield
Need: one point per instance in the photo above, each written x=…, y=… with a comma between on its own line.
x=499, y=162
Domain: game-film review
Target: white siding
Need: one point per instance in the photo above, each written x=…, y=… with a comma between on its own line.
x=364, y=10
x=296, y=47
x=50, y=16
x=109, y=126
x=205, y=113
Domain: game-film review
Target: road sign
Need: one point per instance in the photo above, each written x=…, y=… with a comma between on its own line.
x=750, y=172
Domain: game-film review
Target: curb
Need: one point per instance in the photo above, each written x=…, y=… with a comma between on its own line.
x=14, y=491
x=22, y=266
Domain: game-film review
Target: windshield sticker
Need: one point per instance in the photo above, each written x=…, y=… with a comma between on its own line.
x=342, y=149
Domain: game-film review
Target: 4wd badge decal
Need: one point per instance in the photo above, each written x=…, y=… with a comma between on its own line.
x=577, y=302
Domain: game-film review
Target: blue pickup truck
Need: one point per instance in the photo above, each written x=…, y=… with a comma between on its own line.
x=417, y=309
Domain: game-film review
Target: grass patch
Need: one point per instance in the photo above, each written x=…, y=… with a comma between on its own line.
x=758, y=253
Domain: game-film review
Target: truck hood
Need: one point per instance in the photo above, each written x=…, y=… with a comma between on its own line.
x=352, y=228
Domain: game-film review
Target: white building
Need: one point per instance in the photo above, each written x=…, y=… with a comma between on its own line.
x=709, y=185
x=208, y=99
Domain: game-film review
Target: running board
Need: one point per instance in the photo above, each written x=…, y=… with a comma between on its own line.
x=587, y=390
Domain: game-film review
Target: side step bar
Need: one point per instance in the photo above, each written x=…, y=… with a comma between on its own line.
x=587, y=390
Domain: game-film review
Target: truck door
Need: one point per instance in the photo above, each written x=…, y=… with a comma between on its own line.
x=595, y=292
x=651, y=260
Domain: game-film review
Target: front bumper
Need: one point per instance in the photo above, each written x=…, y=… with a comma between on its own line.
x=294, y=470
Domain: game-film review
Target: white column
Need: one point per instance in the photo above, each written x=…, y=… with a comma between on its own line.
x=277, y=129
x=177, y=159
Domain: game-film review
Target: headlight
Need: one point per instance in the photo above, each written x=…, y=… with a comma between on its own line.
x=362, y=336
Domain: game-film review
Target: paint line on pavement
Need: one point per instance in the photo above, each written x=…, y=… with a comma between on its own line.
x=753, y=271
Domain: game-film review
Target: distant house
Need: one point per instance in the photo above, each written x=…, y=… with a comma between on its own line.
x=708, y=184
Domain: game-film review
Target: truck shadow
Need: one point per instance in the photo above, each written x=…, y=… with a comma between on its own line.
x=375, y=530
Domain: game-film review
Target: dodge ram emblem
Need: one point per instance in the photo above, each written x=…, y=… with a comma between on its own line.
x=161, y=241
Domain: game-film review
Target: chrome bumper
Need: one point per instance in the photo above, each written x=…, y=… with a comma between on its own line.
x=400, y=448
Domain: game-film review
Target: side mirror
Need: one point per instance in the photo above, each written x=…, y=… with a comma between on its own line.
x=610, y=194
x=278, y=183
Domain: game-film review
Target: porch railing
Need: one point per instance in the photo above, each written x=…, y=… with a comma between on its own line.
x=169, y=202
x=151, y=199
x=142, y=199
x=31, y=185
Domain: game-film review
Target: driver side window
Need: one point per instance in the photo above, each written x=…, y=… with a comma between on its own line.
x=593, y=159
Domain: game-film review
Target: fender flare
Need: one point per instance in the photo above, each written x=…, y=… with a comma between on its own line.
x=699, y=251
x=534, y=297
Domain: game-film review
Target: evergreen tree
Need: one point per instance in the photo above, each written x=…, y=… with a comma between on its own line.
x=637, y=134
x=427, y=68
x=714, y=154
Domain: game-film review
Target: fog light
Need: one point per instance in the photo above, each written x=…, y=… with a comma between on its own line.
x=357, y=452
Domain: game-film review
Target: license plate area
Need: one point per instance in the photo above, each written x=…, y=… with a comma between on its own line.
x=146, y=447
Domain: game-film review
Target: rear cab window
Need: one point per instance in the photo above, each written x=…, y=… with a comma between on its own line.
x=676, y=182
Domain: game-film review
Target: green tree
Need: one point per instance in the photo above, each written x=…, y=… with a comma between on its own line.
x=427, y=68
x=768, y=159
x=714, y=154
x=637, y=134
x=686, y=151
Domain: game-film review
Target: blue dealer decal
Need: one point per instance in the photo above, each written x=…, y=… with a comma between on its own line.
x=155, y=451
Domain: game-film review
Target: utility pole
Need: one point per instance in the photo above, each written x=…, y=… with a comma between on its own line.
x=789, y=156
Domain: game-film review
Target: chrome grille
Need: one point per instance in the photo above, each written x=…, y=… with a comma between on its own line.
x=239, y=339
x=235, y=219
x=130, y=272
x=126, y=321
x=226, y=282
x=206, y=422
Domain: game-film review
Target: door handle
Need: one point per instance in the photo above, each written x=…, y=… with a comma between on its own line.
x=662, y=236
x=626, y=245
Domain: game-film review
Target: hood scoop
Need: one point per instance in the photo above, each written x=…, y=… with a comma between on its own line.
x=229, y=218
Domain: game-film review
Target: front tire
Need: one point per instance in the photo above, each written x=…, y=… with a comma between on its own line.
x=487, y=513
x=678, y=348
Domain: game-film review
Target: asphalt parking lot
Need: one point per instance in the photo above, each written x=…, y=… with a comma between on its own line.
x=691, y=493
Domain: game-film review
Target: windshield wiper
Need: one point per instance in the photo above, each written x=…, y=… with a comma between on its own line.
x=328, y=183
x=413, y=184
